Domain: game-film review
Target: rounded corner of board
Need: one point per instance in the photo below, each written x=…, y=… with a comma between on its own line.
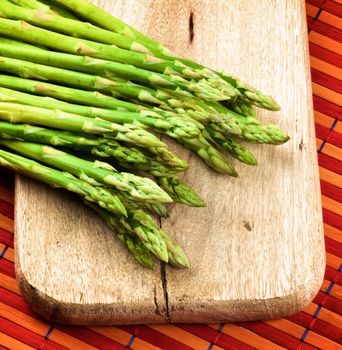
x=41, y=303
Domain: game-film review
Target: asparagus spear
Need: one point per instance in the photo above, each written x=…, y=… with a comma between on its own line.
x=60, y=179
x=227, y=143
x=156, y=208
x=210, y=155
x=171, y=125
x=166, y=99
x=96, y=173
x=24, y=31
x=132, y=242
x=179, y=191
x=105, y=20
x=72, y=95
x=127, y=157
x=16, y=113
x=176, y=255
x=31, y=4
x=117, y=87
x=57, y=9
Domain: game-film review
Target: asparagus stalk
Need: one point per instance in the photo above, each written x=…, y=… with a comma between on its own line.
x=156, y=208
x=141, y=254
x=179, y=191
x=117, y=87
x=81, y=29
x=57, y=9
x=16, y=113
x=227, y=143
x=176, y=255
x=167, y=123
x=166, y=99
x=210, y=155
x=105, y=20
x=96, y=173
x=60, y=179
x=31, y=4
x=127, y=157
x=21, y=30
x=72, y=95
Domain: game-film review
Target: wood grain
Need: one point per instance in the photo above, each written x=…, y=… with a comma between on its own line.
x=257, y=250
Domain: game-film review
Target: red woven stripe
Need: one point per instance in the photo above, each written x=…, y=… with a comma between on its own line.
x=6, y=237
x=328, y=5
x=215, y=337
x=332, y=219
x=333, y=7
x=15, y=301
x=28, y=337
x=326, y=30
x=331, y=191
x=50, y=345
x=325, y=55
x=153, y=337
x=88, y=336
x=329, y=302
x=325, y=329
x=6, y=209
x=330, y=275
x=275, y=335
x=326, y=107
x=309, y=21
x=330, y=163
x=20, y=333
x=7, y=267
x=331, y=136
x=326, y=80
x=333, y=246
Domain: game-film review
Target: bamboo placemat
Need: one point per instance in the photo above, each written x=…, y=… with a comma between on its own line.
x=318, y=326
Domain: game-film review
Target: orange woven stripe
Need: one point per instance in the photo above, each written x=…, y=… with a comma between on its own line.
x=336, y=291
x=9, y=255
x=331, y=19
x=311, y=10
x=333, y=261
x=14, y=344
x=123, y=338
x=330, y=176
x=324, y=314
x=331, y=205
x=6, y=195
x=326, y=93
x=182, y=336
x=297, y=331
x=9, y=283
x=24, y=320
x=326, y=67
x=41, y=328
x=333, y=233
x=250, y=338
x=6, y=223
x=325, y=42
x=68, y=341
x=330, y=150
x=325, y=16
x=325, y=120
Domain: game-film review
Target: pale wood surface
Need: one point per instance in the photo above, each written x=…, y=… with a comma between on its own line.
x=257, y=251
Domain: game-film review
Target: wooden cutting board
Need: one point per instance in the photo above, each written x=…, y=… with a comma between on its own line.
x=256, y=251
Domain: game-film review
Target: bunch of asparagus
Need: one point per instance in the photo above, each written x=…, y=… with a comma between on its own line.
x=78, y=86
